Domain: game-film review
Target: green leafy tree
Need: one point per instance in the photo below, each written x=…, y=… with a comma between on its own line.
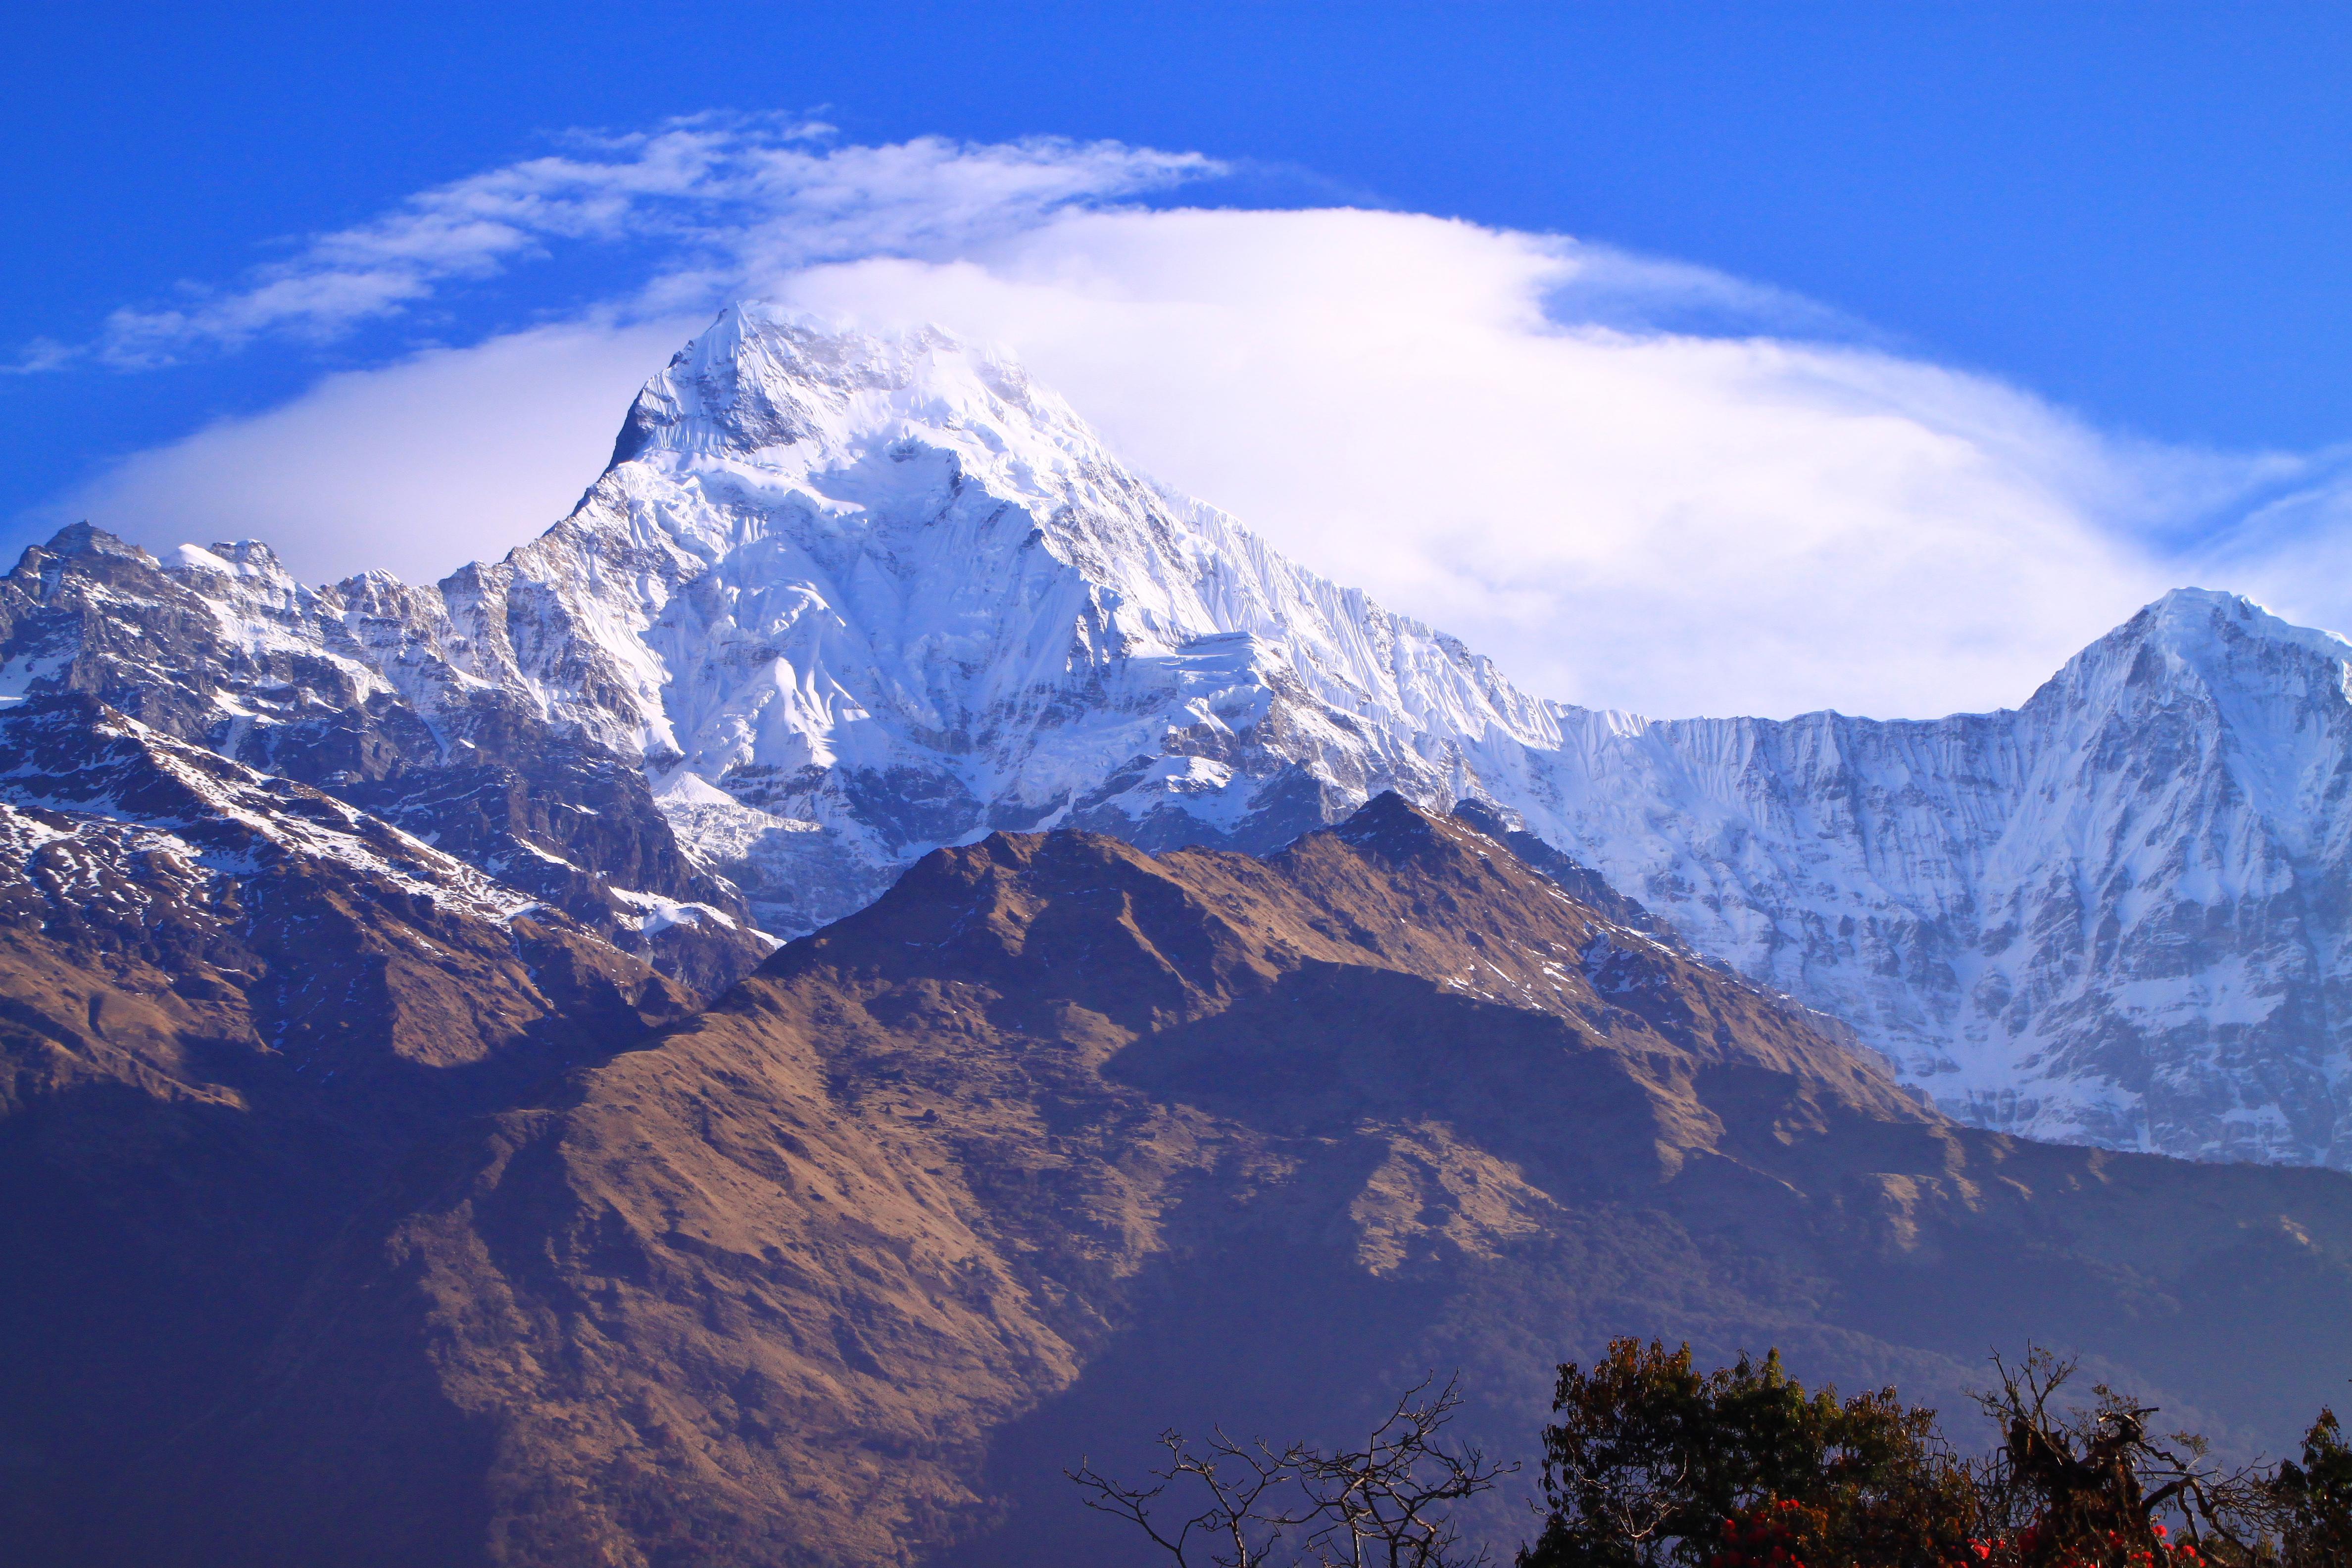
x=2314, y=1498
x=1650, y=1463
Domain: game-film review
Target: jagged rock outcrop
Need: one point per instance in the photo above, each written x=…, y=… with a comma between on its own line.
x=370, y=692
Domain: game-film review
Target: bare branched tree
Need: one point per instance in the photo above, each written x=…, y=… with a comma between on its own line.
x=1389, y=1503
x=1385, y=1505
x=1242, y=1519
x=2093, y=1483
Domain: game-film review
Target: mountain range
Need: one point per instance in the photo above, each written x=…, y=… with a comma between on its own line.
x=842, y=598
x=887, y=950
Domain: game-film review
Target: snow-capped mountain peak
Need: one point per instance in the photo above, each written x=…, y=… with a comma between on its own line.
x=794, y=392
x=881, y=591
x=2213, y=681
x=2203, y=634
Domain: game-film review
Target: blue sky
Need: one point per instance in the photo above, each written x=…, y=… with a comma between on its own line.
x=2134, y=217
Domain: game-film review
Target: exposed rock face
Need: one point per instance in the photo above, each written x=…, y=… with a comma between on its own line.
x=1059, y=1142
x=840, y=599
x=370, y=692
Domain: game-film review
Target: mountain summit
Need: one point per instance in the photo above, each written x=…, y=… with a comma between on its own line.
x=847, y=597
x=844, y=597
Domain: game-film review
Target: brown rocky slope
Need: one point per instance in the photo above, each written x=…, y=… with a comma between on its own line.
x=230, y=1005
x=1060, y=1142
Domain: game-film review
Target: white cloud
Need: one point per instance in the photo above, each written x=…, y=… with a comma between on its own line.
x=1666, y=522
x=714, y=190
x=1490, y=430
x=448, y=457
x=41, y=354
x=2293, y=549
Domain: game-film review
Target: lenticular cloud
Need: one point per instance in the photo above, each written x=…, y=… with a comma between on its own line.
x=1492, y=431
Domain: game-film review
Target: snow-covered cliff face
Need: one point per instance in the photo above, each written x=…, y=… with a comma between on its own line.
x=841, y=598
x=2116, y=915
x=363, y=691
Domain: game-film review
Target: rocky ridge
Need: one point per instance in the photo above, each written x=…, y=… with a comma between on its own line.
x=369, y=692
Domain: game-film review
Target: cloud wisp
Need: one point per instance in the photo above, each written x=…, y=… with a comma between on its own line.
x=718, y=194
x=1636, y=483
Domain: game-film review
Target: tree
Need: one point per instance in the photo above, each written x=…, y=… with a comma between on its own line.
x=2314, y=1498
x=1385, y=1505
x=2092, y=1487
x=1650, y=1463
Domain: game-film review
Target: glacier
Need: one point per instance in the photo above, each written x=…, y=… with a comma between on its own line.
x=842, y=598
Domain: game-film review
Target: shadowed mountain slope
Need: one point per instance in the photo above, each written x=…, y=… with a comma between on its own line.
x=229, y=1005
x=1061, y=1142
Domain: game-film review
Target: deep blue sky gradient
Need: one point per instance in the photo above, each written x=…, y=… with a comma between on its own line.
x=2141, y=211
